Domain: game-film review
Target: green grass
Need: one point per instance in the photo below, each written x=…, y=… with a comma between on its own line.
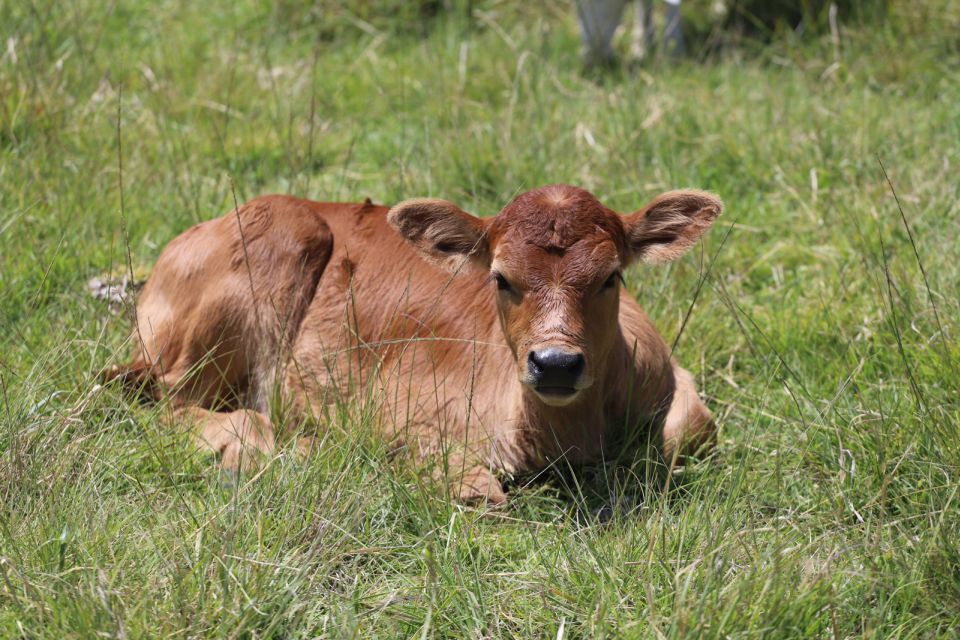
x=830, y=358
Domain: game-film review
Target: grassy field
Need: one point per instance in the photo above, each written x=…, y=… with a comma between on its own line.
x=824, y=337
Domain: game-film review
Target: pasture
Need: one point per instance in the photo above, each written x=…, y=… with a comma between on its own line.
x=819, y=318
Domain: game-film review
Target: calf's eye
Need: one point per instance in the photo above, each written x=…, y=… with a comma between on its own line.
x=502, y=284
x=612, y=281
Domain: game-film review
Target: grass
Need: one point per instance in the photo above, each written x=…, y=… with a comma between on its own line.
x=824, y=337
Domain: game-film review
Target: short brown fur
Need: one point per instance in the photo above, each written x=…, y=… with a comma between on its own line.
x=433, y=313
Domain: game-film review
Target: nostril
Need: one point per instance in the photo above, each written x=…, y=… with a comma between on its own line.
x=534, y=364
x=575, y=365
x=555, y=362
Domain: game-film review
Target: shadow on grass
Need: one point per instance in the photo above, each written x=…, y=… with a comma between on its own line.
x=599, y=493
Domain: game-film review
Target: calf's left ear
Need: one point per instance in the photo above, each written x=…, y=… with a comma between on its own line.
x=672, y=223
x=442, y=232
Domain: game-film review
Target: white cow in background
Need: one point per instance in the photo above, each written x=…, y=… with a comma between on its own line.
x=599, y=20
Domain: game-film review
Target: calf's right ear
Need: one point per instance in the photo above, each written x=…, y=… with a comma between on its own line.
x=442, y=232
x=664, y=229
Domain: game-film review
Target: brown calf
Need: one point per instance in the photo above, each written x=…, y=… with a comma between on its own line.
x=504, y=343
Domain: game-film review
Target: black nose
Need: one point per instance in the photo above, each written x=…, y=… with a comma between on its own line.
x=553, y=367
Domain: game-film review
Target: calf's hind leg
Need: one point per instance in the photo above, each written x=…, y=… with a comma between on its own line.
x=216, y=319
x=238, y=438
x=477, y=485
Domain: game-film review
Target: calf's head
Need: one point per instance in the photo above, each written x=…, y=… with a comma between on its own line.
x=555, y=256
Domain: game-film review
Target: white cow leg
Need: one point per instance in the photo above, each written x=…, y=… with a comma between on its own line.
x=672, y=33
x=599, y=20
x=642, y=38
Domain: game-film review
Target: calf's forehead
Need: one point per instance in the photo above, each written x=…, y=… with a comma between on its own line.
x=558, y=228
x=578, y=266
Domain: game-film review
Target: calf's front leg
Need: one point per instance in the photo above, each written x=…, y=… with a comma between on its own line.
x=689, y=428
